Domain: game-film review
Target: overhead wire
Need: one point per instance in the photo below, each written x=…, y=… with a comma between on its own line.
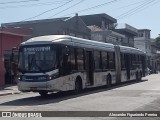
x=32, y=5
x=48, y=10
x=140, y=9
x=66, y=8
x=13, y=2
x=94, y=7
x=133, y=10
x=135, y=3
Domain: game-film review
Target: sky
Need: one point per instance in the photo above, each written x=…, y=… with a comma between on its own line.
x=141, y=14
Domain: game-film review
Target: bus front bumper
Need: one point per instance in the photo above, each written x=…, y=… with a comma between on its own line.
x=35, y=87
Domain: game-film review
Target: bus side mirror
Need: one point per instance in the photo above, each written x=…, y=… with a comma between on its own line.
x=21, y=70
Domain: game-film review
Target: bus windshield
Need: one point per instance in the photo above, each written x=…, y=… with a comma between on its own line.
x=37, y=59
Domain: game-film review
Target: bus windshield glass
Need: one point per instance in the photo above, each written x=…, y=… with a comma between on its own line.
x=37, y=59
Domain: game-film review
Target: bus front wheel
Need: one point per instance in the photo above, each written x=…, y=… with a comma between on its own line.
x=43, y=93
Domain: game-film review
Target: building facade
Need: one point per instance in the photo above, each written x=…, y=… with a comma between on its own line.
x=9, y=38
x=102, y=28
x=103, y=21
x=73, y=26
x=144, y=42
x=129, y=32
x=107, y=36
x=155, y=56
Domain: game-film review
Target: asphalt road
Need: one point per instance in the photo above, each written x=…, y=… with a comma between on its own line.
x=131, y=96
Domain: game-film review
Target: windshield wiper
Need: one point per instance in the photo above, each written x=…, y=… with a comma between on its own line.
x=33, y=63
x=39, y=68
x=22, y=70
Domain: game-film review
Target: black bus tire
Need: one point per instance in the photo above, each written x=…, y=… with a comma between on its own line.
x=109, y=81
x=43, y=93
x=140, y=76
x=137, y=76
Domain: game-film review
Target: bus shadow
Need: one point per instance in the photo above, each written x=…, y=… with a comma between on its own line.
x=62, y=96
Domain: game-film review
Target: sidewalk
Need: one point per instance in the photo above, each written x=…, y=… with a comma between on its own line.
x=9, y=90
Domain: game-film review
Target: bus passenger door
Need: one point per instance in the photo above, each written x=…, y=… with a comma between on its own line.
x=128, y=66
x=89, y=67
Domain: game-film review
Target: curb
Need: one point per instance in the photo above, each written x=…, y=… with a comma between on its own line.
x=3, y=94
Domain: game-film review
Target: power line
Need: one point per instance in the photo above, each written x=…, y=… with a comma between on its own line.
x=126, y=6
x=67, y=8
x=18, y=1
x=141, y=9
x=94, y=7
x=32, y=5
x=133, y=10
x=47, y=11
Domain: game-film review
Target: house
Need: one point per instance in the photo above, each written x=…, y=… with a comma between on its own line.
x=103, y=21
x=102, y=28
x=143, y=42
x=73, y=26
x=129, y=32
x=107, y=36
x=10, y=37
x=147, y=44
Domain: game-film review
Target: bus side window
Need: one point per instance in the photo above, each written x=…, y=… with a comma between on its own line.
x=114, y=62
x=125, y=60
x=73, y=64
x=80, y=59
x=134, y=61
x=137, y=60
x=97, y=60
x=66, y=61
x=104, y=60
x=111, y=60
x=131, y=61
x=122, y=61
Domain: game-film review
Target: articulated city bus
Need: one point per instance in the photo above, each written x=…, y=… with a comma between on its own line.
x=61, y=63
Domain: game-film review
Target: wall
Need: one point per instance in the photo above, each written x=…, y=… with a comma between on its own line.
x=76, y=27
x=107, y=36
x=42, y=28
x=101, y=20
x=7, y=42
x=140, y=43
x=56, y=27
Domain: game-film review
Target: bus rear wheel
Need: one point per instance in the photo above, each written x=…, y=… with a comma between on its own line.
x=136, y=76
x=43, y=93
x=140, y=76
x=108, y=81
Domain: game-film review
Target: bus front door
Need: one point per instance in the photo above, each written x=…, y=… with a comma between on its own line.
x=89, y=67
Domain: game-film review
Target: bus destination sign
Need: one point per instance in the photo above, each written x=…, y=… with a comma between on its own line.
x=37, y=49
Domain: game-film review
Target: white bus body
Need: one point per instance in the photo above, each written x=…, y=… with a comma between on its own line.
x=70, y=59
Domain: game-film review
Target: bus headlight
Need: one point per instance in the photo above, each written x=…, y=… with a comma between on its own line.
x=50, y=77
x=19, y=78
x=54, y=75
